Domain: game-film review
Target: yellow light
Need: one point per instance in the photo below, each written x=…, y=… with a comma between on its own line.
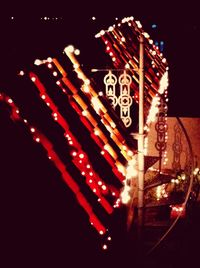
x=84, y=113
x=96, y=132
x=38, y=62
x=104, y=187
x=77, y=52
x=86, y=89
x=125, y=197
x=96, y=104
x=102, y=32
x=69, y=49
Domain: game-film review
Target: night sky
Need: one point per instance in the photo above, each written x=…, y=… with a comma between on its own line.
x=42, y=224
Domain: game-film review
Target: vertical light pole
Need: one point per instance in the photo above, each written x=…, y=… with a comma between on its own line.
x=141, y=140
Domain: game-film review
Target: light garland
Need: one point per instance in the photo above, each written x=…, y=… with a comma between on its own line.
x=48, y=146
x=80, y=158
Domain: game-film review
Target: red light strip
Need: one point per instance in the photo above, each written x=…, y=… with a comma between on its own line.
x=100, y=109
x=80, y=158
x=47, y=145
x=90, y=123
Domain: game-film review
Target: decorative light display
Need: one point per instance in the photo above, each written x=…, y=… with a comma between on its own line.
x=121, y=41
x=114, y=144
x=124, y=99
x=52, y=155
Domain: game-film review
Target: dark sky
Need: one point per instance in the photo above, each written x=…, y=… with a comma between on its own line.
x=41, y=219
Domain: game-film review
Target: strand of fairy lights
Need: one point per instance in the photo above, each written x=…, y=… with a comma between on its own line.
x=114, y=31
x=125, y=195
x=125, y=192
x=123, y=48
x=94, y=128
x=119, y=43
x=92, y=125
x=48, y=146
x=100, y=109
x=80, y=158
x=75, y=91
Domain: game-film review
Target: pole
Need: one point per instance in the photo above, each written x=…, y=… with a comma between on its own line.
x=141, y=141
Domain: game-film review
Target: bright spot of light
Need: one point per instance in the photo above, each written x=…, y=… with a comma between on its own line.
x=105, y=247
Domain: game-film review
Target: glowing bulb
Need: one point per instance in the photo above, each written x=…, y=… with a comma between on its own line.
x=43, y=97
x=88, y=166
x=37, y=139
x=100, y=183
x=104, y=187
x=109, y=238
x=86, y=89
x=81, y=156
x=10, y=101
x=38, y=62
x=49, y=66
x=77, y=52
x=33, y=78
x=101, y=232
x=83, y=173
x=69, y=49
x=96, y=132
x=127, y=66
x=32, y=129
x=49, y=59
x=74, y=153
x=55, y=73
x=102, y=32
x=91, y=174
x=21, y=73
x=84, y=113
